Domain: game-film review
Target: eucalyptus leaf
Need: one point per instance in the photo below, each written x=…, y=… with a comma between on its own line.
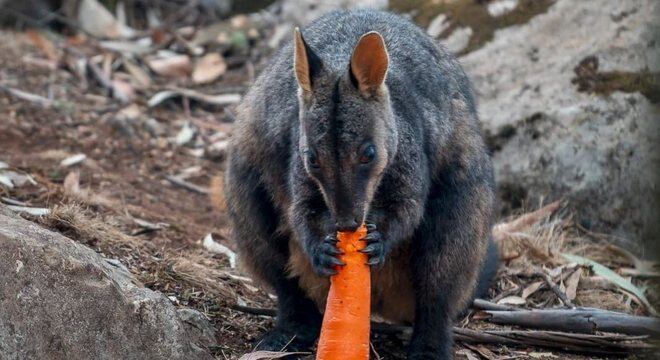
x=613, y=277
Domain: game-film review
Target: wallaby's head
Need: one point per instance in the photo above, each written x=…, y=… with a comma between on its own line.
x=348, y=134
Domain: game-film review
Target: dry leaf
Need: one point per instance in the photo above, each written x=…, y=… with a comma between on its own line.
x=95, y=19
x=127, y=47
x=184, y=135
x=140, y=76
x=172, y=66
x=72, y=184
x=44, y=45
x=122, y=91
x=572, y=284
x=532, y=288
x=217, y=192
x=209, y=67
x=483, y=351
x=468, y=354
x=624, y=284
x=512, y=300
x=73, y=160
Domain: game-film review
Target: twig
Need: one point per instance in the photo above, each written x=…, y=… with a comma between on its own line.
x=33, y=98
x=186, y=185
x=560, y=294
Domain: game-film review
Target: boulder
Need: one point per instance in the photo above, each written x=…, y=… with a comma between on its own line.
x=61, y=300
x=552, y=141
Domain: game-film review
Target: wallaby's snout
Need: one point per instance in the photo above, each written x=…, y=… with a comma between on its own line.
x=346, y=225
x=348, y=210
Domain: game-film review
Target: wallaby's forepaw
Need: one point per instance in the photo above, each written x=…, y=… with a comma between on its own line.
x=325, y=256
x=375, y=248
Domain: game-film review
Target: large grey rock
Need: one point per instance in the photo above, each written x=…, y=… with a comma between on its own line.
x=597, y=151
x=61, y=300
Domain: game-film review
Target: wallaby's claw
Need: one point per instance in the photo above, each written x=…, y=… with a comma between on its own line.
x=375, y=248
x=324, y=258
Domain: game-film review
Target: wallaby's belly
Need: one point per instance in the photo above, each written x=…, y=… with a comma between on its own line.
x=391, y=287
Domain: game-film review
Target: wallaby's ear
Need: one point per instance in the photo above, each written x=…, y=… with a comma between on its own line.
x=305, y=63
x=369, y=62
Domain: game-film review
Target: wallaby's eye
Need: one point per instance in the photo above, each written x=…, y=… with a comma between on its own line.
x=367, y=153
x=311, y=158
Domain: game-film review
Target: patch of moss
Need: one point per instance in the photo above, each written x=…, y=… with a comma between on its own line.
x=589, y=79
x=470, y=13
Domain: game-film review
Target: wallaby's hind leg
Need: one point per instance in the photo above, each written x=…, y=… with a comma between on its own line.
x=266, y=255
x=447, y=249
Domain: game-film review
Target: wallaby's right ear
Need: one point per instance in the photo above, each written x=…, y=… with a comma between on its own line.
x=305, y=63
x=369, y=62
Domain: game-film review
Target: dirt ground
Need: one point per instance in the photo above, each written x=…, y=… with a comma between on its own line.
x=105, y=200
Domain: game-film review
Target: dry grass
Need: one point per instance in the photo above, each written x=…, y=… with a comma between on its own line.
x=79, y=223
x=538, y=245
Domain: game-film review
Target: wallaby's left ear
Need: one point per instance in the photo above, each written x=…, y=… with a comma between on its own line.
x=369, y=62
x=306, y=63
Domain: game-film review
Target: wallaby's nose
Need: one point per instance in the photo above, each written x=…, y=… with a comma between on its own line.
x=346, y=225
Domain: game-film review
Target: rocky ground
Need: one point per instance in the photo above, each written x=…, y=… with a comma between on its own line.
x=118, y=146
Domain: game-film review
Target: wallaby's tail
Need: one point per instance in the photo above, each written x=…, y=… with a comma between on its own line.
x=488, y=270
x=486, y=275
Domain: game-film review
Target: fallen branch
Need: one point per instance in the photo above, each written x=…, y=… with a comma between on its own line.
x=611, y=344
x=581, y=320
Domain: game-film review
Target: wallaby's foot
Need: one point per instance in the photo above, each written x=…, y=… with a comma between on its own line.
x=290, y=338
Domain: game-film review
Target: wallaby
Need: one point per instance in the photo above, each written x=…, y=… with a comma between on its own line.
x=363, y=118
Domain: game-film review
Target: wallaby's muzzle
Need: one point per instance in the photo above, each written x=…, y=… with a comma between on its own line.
x=347, y=225
x=349, y=212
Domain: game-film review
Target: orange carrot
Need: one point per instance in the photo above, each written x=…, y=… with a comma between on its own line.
x=345, y=330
